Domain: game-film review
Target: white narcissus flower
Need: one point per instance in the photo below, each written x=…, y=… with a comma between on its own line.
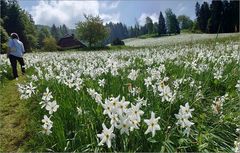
x=46, y=120
x=186, y=110
x=135, y=113
x=166, y=94
x=114, y=119
x=47, y=125
x=133, y=91
x=26, y=91
x=44, y=103
x=91, y=92
x=107, y=107
x=79, y=110
x=183, y=118
x=153, y=125
x=238, y=85
x=47, y=96
x=34, y=78
x=218, y=74
x=124, y=125
x=141, y=101
x=52, y=107
x=20, y=88
x=101, y=82
x=183, y=121
x=122, y=106
x=30, y=89
x=134, y=125
x=133, y=75
x=114, y=102
x=237, y=146
x=98, y=98
x=106, y=136
x=46, y=129
x=148, y=82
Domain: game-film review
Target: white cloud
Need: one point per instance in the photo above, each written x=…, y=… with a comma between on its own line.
x=70, y=12
x=181, y=8
x=142, y=18
x=109, y=4
x=114, y=18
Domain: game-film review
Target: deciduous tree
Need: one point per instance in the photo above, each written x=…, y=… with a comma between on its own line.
x=92, y=30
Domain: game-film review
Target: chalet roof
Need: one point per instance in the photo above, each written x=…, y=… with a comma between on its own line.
x=67, y=36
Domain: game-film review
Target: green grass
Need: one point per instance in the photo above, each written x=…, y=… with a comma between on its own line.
x=148, y=36
x=14, y=117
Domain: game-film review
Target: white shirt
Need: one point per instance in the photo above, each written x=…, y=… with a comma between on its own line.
x=16, y=47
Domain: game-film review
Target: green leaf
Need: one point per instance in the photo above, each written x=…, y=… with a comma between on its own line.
x=152, y=140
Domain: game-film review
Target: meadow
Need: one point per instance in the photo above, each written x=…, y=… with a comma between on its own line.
x=172, y=97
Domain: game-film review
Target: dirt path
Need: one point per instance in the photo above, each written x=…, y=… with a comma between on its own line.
x=13, y=117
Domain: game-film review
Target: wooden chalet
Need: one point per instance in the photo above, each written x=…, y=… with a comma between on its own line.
x=68, y=41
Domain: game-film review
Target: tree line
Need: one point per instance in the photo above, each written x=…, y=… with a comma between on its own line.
x=170, y=25
x=218, y=17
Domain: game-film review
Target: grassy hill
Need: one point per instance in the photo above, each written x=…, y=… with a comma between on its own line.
x=158, y=41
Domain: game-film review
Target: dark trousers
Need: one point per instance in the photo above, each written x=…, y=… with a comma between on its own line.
x=13, y=61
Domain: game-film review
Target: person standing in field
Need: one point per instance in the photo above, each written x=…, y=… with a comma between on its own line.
x=15, y=53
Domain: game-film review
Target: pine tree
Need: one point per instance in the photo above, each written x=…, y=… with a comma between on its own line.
x=161, y=25
x=197, y=11
x=204, y=15
x=216, y=19
x=55, y=32
x=131, y=32
x=137, y=28
x=176, y=24
x=234, y=7
x=226, y=17
x=172, y=22
x=196, y=22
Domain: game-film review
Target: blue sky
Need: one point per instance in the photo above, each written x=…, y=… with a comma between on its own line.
x=69, y=12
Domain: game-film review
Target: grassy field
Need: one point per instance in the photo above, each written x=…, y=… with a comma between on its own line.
x=176, y=39
x=180, y=96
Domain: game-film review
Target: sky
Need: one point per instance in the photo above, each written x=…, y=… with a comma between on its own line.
x=70, y=12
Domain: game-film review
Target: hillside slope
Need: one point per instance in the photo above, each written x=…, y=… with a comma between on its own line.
x=136, y=42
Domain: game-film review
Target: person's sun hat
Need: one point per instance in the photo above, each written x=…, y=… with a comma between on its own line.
x=14, y=35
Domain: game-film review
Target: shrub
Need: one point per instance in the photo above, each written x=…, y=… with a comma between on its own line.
x=4, y=38
x=117, y=42
x=4, y=48
x=49, y=44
